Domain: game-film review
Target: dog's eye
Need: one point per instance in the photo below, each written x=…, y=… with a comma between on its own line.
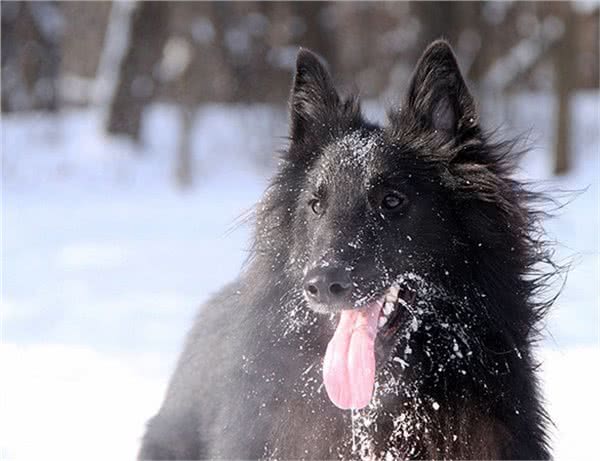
x=393, y=201
x=316, y=206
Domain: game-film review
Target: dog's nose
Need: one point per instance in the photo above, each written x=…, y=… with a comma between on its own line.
x=327, y=285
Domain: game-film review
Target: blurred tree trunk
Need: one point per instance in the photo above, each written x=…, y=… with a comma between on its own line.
x=136, y=80
x=222, y=16
x=564, y=74
x=31, y=54
x=183, y=164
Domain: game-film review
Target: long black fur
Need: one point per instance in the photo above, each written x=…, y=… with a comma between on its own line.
x=459, y=380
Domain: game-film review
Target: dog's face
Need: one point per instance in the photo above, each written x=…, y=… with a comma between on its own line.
x=372, y=215
x=373, y=212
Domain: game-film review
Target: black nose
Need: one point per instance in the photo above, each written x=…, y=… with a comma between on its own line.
x=328, y=285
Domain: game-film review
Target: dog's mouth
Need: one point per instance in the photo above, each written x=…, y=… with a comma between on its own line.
x=397, y=300
x=349, y=365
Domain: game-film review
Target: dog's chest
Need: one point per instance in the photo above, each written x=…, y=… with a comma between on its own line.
x=312, y=428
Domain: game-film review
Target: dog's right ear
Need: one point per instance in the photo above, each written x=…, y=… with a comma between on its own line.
x=313, y=99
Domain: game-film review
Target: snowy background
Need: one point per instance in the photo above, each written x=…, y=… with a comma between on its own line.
x=110, y=242
x=105, y=263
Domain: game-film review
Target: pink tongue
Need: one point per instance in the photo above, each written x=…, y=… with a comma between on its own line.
x=349, y=365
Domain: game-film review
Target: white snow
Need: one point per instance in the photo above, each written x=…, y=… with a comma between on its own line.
x=71, y=402
x=571, y=379
x=104, y=263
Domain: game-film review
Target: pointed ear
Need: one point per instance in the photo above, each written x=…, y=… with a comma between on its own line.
x=313, y=97
x=438, y=97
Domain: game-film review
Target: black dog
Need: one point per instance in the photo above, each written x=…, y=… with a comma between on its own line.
x=392, y=274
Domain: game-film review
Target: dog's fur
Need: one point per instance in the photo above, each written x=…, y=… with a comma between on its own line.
x=458, y=380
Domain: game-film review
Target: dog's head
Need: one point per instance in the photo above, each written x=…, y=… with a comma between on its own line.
x=359, y=215
x=374, y=203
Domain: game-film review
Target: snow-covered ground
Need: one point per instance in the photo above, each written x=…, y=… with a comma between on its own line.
x=104, y=263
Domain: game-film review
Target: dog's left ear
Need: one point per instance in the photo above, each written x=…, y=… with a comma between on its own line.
x=438, y=97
